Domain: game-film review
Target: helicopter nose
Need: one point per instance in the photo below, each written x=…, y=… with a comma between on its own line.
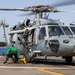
x=54, y=45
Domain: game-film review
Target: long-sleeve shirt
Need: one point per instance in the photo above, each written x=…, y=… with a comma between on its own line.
x=13, y=48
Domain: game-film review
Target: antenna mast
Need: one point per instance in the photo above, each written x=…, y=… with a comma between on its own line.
x=40, y=15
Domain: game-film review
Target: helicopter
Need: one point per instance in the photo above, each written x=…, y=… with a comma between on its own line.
x=42, y=36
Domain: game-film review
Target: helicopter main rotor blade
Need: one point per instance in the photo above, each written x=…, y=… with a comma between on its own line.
x=65, y=11
x=64, y=3
x=13, y=9
x=42, y=8
x=27, y=14
x=62, y=11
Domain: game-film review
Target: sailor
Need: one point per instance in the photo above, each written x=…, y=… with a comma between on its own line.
x=26, y=34
x=12, y=51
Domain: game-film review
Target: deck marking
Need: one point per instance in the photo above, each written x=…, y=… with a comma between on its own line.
x=73, y=67
x=47, y=71
x=25, y=67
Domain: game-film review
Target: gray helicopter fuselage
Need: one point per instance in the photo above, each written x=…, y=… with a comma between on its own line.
x=60, y=42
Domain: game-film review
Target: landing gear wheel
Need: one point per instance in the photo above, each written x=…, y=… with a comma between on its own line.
x=68, y=59
x=27, y=57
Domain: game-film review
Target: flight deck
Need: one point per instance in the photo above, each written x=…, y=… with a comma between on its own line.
x=39, y=66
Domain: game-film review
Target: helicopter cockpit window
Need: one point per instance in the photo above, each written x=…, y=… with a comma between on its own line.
x=55, y=31
x=67, y=31
x=73, y=29
x=42, y=33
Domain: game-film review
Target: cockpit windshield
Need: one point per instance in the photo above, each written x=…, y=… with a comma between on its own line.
x=54, y=31
x=73, y=29
x=67, y=30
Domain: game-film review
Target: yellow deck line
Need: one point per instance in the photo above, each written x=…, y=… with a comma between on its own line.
x=48, y=71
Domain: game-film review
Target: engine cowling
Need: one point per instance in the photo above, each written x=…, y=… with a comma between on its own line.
x=26, y=22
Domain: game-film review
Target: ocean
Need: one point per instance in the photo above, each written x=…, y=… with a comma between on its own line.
x=3, y=50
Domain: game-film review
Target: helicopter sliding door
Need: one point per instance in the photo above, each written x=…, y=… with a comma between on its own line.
x=41, y=38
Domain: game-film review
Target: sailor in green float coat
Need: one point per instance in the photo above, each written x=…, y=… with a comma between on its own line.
x=12, y=51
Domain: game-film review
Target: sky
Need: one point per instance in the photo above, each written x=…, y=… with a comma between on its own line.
x=12, y=18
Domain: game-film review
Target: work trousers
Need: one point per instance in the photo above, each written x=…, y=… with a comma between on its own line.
x=11, y=54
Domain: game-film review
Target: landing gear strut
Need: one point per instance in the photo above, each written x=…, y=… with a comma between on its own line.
x=68, y=59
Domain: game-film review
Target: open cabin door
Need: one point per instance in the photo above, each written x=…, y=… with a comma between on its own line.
x=33, y=36
x=38, y=38
x=38, y=35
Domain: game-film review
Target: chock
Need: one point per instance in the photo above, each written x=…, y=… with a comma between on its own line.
x=23, y=60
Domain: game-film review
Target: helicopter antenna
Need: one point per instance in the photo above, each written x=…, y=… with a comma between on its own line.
x=40, y=15
x=45, y=15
